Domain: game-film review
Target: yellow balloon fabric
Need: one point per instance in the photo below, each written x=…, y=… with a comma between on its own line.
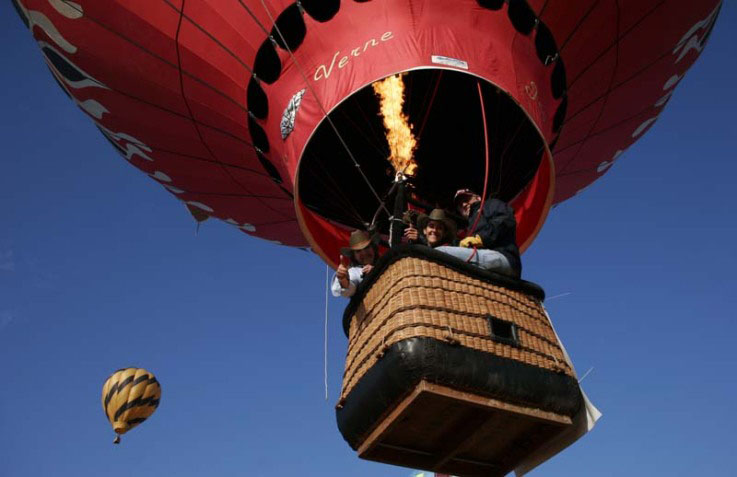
x=129, y=397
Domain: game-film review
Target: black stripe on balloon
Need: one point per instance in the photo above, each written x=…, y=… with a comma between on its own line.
x=560, y=115
x=267, y=65
x=116, y=387
x=706, y=36
x=142, y=378
x=558, y=79
x=521, y=15
x=134, y=421
x=258, y=135
x=270, y=168
x=258, y=103
x=21, y=14
x=66, y=69
x=289, y=194
x=321, y=10
x=291, y=25
x=545, y=46
x=491, y=4
x=551, y=146
x=137, y=402
x=53, y=75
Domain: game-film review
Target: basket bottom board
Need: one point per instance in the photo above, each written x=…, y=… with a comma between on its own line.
x=440, y=429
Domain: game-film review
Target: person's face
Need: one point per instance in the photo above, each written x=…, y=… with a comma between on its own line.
x=365, y=256
x=465, y=202
x=434, y=232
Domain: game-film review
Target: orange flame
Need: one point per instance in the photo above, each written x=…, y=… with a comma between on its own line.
x=402, y=143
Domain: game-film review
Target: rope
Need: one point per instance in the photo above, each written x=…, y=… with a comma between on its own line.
x=486, y=175
x=325, y=353
x=319, y=103
x=429, y=107
x=585, y=374
x=473, y=254
x=486, y=148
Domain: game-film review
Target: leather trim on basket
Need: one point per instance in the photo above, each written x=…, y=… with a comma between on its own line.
x=407, y=362
x=426, y=253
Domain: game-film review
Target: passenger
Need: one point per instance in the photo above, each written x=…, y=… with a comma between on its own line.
x=357, y=261
x=434, y=230
x=494, y=236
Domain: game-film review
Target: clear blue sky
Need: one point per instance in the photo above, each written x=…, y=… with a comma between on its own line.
x=100, y=268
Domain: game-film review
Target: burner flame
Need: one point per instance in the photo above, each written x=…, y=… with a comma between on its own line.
x=402, y=143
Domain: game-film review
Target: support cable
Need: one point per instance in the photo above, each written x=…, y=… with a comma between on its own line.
x=319, y=103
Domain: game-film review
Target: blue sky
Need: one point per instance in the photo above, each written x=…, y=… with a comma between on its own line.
x=100, y=268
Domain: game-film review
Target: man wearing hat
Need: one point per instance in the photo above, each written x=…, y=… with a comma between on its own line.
x=357, y=260
x=437, y=229
x=494, y=231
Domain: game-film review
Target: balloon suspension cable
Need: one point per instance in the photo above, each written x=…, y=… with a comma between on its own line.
x=325, y=350
x=486, y=149
x=486, y=174
x=396, y=224
x=395, y=183
x=585, y=374
x=319, y=103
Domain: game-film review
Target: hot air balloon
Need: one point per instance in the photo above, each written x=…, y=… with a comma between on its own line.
x=129, y=397
x=262, y=113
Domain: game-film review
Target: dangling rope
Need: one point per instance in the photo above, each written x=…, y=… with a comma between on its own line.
x=325, y=355
x=429, y=107
x=486, y=148
x=319, y=103
x=486, y=174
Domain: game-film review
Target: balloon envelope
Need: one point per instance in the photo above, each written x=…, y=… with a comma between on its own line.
x=129, y=397
x=226, y=104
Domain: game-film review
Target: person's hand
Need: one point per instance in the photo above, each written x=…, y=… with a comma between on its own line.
x=472, y=241
x=367, y=269
x=342, y=272
x=410, y=233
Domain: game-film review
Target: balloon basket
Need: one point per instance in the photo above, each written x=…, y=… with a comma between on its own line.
x=451, y=368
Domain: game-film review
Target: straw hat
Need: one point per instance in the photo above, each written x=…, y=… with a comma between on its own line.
x=440, y=216
x=358, y=241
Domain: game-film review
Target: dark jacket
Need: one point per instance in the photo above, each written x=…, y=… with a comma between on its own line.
x=497, y=227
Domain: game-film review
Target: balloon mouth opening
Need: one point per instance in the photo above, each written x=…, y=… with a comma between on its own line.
x=444, y=109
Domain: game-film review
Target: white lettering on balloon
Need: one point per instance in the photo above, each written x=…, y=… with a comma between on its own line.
x=324, y=71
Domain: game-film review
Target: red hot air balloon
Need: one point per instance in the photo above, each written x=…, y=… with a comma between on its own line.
x=262, y=113
x=226, y=103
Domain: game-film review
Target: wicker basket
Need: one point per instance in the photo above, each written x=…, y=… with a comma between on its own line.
x=430, y=336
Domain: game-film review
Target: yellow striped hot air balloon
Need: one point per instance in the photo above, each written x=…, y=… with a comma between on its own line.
x=129, y=397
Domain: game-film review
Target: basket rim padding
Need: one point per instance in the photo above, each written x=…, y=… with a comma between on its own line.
x=424, y=252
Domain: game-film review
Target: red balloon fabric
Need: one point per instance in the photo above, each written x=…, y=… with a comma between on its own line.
x=226, y=103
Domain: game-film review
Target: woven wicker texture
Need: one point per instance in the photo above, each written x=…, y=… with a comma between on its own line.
x=419, y=298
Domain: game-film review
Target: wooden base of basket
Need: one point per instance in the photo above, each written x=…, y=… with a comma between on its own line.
x=444, y=430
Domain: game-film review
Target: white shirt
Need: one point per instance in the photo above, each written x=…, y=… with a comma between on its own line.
x=355, y=275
